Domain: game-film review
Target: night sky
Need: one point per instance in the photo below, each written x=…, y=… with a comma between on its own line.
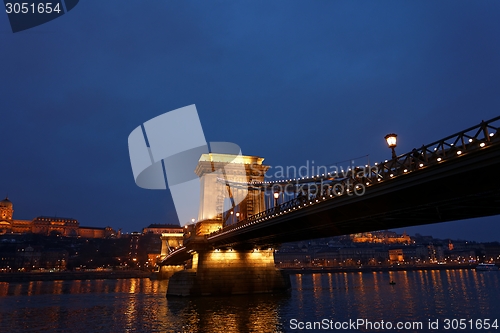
x=291, y=81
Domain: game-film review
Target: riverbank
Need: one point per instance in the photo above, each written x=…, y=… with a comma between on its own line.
x=130, y=274
x=72, y=275
x=313, y=270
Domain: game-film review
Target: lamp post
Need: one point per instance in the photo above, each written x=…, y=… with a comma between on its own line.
x=392, y=140
x=276, y=196
x=238, y=217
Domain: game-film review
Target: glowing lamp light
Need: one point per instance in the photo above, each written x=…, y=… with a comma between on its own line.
x=392, y=141
x=276, y=196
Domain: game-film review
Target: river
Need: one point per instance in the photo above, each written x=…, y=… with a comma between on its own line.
x=460, y=299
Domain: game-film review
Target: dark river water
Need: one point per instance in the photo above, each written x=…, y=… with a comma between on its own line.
x=420, y=301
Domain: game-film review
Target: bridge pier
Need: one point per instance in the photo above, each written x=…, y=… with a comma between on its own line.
x=166, y=271
x=229, y=272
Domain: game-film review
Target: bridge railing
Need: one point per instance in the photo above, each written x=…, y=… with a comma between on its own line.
x=357, y=180
x=453, y=146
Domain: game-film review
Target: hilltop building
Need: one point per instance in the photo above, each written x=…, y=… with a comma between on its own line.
x=382, y=237
x=47, y=225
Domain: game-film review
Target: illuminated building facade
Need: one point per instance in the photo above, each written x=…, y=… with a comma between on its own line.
x=382, y=237
x=47, y=225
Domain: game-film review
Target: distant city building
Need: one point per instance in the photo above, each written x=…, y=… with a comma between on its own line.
x=134, y=246
x=396, y=255
x=492, y=252
x=22, y=257
x=47, y=225
x=436, y=253
x=382, y=237
x=409, y=254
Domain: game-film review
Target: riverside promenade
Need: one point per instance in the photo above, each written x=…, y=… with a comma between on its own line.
x=72, y=275
x=312, y=270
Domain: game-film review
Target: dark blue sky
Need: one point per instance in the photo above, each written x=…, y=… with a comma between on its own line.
x=290, y=81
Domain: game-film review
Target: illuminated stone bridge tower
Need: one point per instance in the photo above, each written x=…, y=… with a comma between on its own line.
x=221, y=203
x=225, y=199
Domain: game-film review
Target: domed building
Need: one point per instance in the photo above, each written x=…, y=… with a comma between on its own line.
x=7, y=222
x=47, y=225
x=6, y=212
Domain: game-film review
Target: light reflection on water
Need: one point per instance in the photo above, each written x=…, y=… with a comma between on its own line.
x=140, y=305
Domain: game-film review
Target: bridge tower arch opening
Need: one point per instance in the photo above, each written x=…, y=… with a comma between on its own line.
x=225, y=197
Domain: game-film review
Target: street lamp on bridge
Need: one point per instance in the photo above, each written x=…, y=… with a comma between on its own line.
x=276, y=196
x=392, y=140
